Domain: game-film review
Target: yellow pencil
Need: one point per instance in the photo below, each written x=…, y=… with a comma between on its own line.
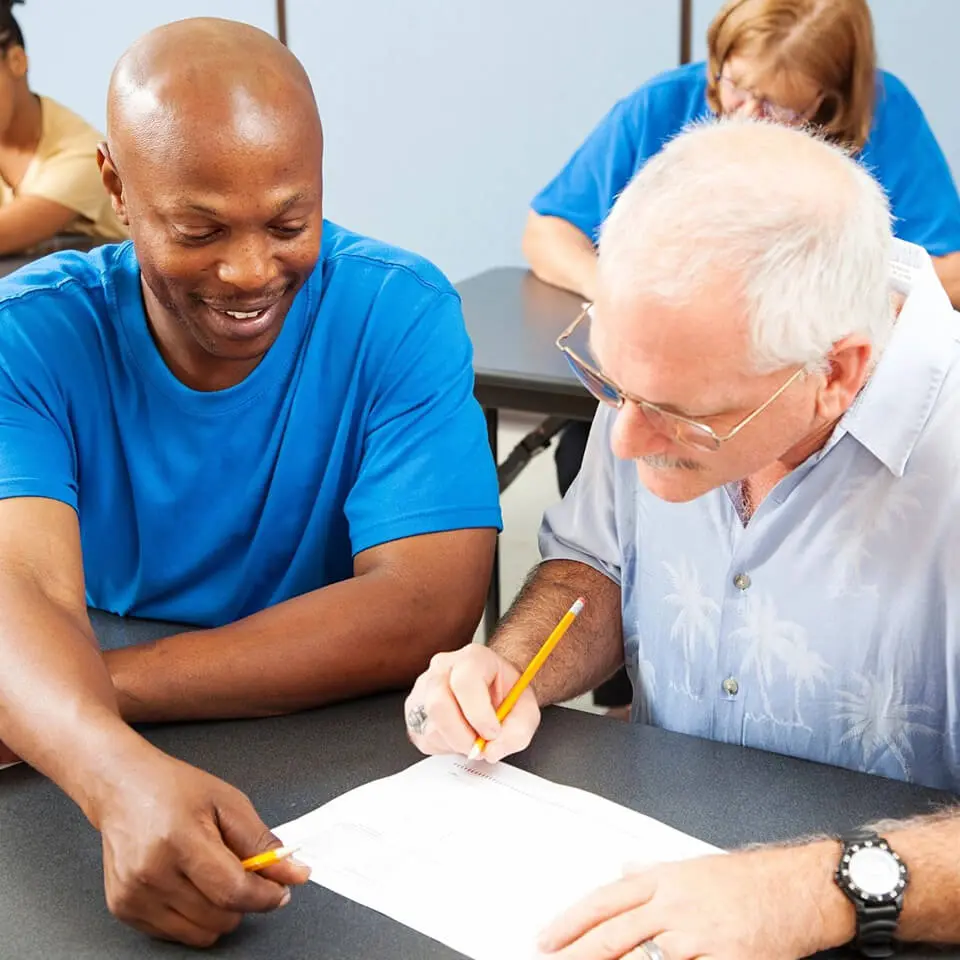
x=268, y=858
x=510, y=700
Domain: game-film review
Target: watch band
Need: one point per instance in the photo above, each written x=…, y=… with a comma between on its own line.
x=876, y=922
x=876, y=929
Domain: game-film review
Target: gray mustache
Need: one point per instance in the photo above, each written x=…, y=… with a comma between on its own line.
x=660, y=462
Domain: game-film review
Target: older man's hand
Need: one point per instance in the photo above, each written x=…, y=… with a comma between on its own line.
x=456, y=699
x=770, y=904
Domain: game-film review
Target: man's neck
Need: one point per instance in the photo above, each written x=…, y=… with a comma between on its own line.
x=755, y=488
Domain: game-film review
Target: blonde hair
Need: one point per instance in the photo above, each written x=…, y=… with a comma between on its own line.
x=829, y=41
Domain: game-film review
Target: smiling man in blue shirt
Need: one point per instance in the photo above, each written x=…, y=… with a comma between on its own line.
x=765, y=529
x=249, y=420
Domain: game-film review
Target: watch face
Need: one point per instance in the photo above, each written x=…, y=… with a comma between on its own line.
x=875, y=871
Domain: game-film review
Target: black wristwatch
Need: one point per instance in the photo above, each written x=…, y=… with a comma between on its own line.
x=874, y=878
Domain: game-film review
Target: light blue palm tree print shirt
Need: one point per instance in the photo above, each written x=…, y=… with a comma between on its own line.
x=828, y=626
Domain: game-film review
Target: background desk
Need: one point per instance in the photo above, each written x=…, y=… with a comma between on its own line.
x=514, y=320
x=51, y=896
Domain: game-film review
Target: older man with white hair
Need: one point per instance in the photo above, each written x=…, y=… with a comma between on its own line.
x=766, y=532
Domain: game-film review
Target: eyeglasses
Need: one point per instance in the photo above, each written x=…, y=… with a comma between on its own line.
x=680, y=429
x=738, y=96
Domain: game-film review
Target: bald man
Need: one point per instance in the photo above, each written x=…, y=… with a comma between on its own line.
x=248, y=420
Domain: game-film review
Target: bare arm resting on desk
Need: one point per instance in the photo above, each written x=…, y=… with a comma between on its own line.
x=772, y=903
x=27, y=220
x=560, y=254
x=408, y=599
x=173, y=836
x=456, y=699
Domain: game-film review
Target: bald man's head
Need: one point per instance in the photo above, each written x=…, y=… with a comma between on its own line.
x=187, y=83
x=213, y=159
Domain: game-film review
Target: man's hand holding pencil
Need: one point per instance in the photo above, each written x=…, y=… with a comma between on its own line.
x=476, y=703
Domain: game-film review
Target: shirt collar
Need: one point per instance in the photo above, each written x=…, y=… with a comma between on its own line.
x=889, y=415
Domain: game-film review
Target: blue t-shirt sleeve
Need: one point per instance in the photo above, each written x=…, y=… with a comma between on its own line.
x=36, y=445
x=903, y=154
x=426, y=465
x=583, y=192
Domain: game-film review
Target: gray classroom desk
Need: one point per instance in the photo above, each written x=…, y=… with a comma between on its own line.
x=51, y=897
x=514, y=320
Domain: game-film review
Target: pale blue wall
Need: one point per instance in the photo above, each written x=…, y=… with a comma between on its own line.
x=443, y=118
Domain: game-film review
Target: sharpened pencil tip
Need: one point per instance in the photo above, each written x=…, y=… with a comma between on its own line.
x=475, y=752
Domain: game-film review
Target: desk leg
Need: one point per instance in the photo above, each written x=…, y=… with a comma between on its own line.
x=492, y=612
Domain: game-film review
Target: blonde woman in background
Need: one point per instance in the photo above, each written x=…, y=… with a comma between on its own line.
x=49, y=178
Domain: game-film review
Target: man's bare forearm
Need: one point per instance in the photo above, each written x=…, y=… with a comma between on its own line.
x=593, y=647
x=930, y=846
x=58, y=710
x=366, y=634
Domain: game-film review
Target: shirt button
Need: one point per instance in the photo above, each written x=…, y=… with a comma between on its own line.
x=731, y=687
x=741, y=581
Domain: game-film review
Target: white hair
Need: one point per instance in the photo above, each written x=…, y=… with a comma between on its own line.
x=800, y=229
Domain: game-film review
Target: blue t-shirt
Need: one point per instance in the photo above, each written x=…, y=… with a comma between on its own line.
x=358, y=427
x=901, y=152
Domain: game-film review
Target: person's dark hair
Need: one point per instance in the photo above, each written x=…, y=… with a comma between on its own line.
x=10, y=33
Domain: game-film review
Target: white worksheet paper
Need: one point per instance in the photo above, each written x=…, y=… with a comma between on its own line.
x=480, y=857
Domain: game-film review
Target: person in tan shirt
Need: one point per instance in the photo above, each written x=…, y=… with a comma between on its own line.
x=49, y=180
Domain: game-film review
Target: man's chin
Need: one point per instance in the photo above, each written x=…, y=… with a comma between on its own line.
x=240, y=340
x=675, y=484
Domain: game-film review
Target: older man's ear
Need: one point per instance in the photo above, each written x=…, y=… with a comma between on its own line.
x=848, y=366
